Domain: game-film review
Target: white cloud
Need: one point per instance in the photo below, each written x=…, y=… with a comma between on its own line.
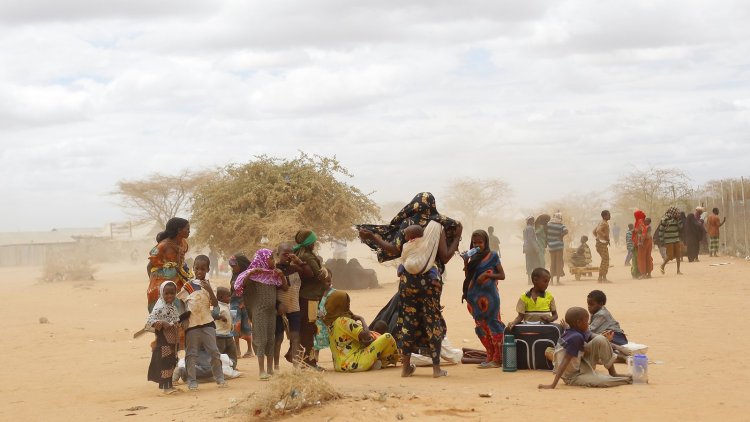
x=552, y=96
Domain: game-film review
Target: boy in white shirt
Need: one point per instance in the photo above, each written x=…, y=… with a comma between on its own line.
x=200, y=328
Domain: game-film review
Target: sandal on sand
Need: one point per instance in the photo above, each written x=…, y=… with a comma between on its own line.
x=409, y=371
x=264, y=377
x=488, y=365
x=443, y=373
x=248, y=355
x=170, y=391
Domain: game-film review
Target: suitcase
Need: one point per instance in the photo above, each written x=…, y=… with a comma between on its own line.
x=531, y=341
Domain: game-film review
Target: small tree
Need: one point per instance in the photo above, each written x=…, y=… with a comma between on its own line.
x=652, y=190
x=159, y=197
x=475, y=198
x=273, y=198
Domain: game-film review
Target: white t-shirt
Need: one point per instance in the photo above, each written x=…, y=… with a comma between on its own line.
x=198, y=302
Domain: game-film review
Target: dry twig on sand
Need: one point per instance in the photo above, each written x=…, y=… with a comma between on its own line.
x=288, y=392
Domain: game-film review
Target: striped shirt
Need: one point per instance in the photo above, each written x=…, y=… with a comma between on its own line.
x=629, y=239
x=670, y=230
x=555, y=233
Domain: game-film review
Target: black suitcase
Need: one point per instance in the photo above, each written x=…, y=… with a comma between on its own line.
x=531, y=341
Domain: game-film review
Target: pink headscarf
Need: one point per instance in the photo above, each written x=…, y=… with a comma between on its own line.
x=266, y=275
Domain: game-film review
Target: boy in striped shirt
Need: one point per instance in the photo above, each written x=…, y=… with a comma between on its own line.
x=669, y=232
x=629, y=244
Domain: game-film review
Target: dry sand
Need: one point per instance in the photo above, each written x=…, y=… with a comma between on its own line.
x=85, y=365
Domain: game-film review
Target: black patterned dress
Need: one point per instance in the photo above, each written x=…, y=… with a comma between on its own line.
x=420, y=324
x=164, y=357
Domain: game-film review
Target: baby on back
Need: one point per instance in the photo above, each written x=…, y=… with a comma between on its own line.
x=419, y=251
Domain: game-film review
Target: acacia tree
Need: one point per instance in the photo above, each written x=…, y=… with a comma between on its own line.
x=272, y=198
x=652, y=190
x=475, y=198
x=159, y=197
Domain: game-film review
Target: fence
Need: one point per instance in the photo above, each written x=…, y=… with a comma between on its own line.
x=730, y=197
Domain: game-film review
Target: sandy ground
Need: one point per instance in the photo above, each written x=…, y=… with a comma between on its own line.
x=86, y=365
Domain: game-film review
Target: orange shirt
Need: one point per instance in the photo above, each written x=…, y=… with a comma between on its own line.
x=713, y=224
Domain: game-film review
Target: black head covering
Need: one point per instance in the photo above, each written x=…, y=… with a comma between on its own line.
x=420, y=211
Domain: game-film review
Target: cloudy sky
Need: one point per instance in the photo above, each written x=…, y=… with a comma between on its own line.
x=552, y=96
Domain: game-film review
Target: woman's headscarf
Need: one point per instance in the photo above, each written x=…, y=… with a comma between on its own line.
x=640, y=216
x=556, y=218
x=337, y=305
x=542, y=220
x=162, y=310
x=420, y=211
x=266, y=275
x=304, y=238
x=672, y=212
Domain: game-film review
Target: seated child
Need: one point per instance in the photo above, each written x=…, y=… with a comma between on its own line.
x=420, y=249
x=536, y=305
x=579, y=351
x=602, y=322
x=201, y=329
x=582, y=255
x=164, y=319
x=223, y=319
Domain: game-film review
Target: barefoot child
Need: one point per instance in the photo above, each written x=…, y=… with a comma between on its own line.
x=240, y=318
x=261, y=280
x=536, y=305
x=579, y=351
x=223, y=320
x=201, y=330
x=288, y=295
x=164, y=319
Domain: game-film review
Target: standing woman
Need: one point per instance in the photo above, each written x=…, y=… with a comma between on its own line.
x=420, y=323
x=483, y=270
x=167, y=260
x=241, y=327
x=556, y=231
x=310, y=292
x=540, y=228
x=639, y=234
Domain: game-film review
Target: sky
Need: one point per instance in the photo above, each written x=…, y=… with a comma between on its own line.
x=553, y=97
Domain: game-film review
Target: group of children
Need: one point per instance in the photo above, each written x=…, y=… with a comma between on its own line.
x=198, y=323
x=209, y=320
x=590, y=338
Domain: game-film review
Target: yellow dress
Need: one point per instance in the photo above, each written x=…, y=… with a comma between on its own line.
x=349, y=355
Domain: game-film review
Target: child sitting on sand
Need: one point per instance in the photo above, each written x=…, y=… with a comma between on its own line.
x=201, y=329
x=223, y=319
x=579, y=351
x=602, y=322
x=536, y=305
x=164, y=319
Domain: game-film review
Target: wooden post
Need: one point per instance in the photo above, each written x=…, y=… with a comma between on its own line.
x=744, y=212
x=724, y=210
x=734, y=214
